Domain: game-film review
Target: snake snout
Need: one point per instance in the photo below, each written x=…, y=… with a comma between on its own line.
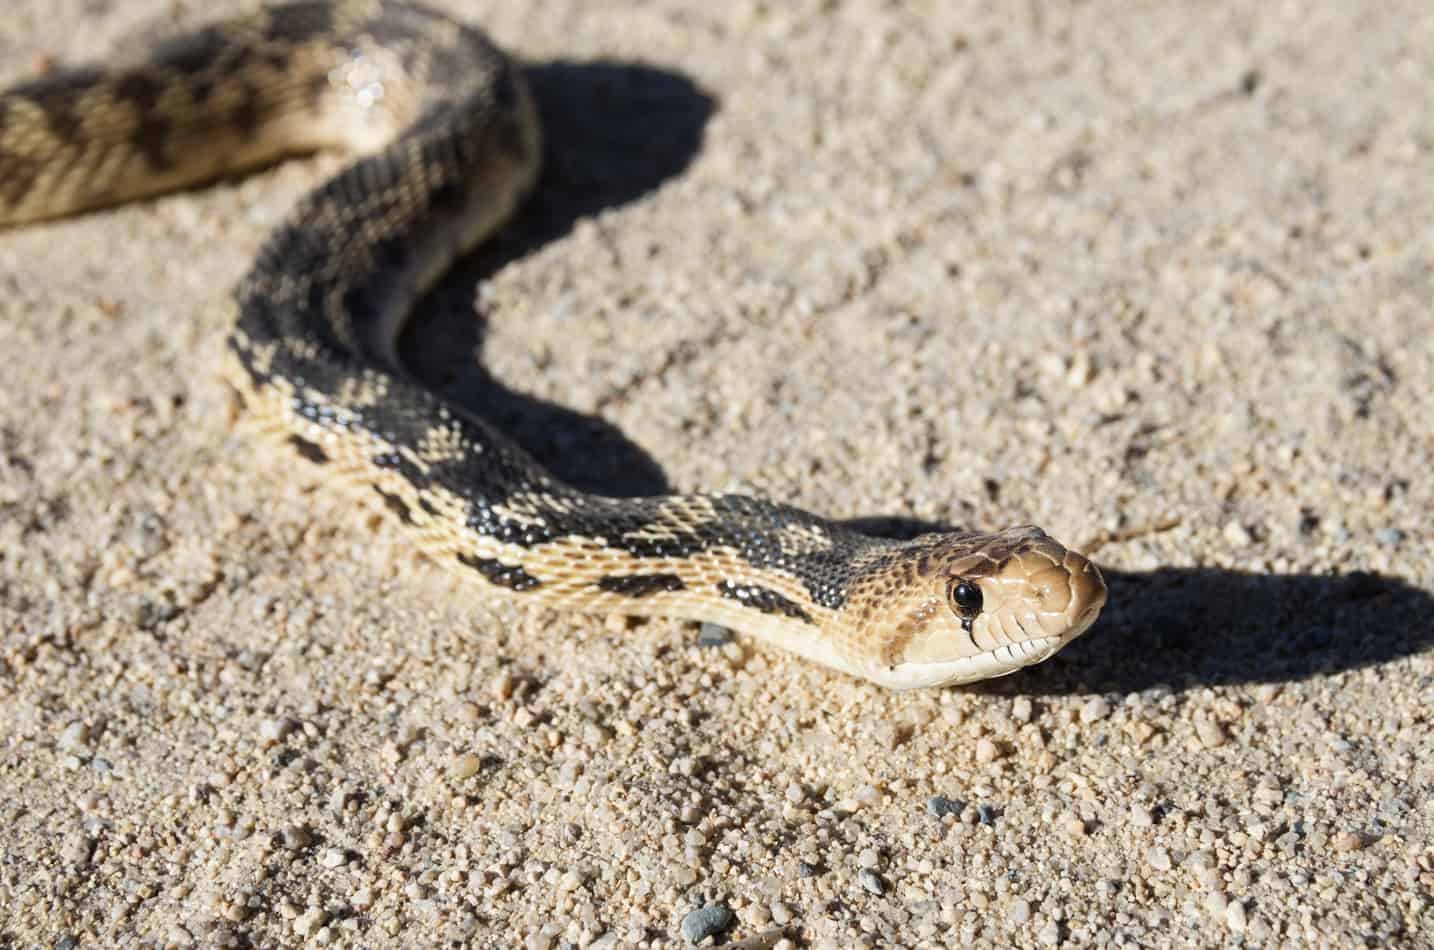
x=1087, y=591
x=1049, y=590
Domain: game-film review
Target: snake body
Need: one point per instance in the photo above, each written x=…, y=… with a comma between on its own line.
x=449, y=144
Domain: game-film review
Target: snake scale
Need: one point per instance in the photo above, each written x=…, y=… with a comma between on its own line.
x=448, y=144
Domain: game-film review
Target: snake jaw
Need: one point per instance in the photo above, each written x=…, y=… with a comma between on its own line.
x=1035, y=597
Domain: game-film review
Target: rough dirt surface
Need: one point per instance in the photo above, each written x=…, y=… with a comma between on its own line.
x=1157, y=277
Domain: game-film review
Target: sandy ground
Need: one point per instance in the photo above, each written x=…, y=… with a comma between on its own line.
x=1155, y=276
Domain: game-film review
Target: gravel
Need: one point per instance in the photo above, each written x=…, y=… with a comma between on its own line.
x=1153, y=276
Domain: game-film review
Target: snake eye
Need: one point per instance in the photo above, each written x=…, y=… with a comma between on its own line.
x=967, y=598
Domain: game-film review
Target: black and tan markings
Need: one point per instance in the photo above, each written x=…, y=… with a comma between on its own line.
x=310, y=450
x=511, y=576
x=764, y=599
x=641, y=585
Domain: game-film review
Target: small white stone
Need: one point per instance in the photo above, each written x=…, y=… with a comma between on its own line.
x=1019, y=911
x=334, y=858
x=868, y=858
x=1022, y=709
x=465, y=766
x=310, y=921
x=987, y=751
x=1347, y=841
x=1235, y=917
x=1095, y=709
x=1158, y=858
x=1200, y=860
x=75, y=738
x=1236, y=535
x=1210, y=733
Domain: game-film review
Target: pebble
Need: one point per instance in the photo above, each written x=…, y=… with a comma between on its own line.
x=1347, y=841
x=1095, y=709
x=1210, y=733
x=334, y=858
x=987, y=751
x=713, y=635
x=273, y=731
x=939, y=806
x=1237, y=535
x=987, y=814
x=75, y=738
x=1158, y=858
x=1235, y=917
x=1022, y=709
x=310, y=921
x=1019, y=911
x=466, y=766
x=868, y=858
x=705, y=922
x=871, y=881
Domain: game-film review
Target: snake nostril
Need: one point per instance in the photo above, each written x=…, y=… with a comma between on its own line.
x=1051, y=589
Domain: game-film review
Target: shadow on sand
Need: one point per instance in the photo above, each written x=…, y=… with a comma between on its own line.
x=613, y=132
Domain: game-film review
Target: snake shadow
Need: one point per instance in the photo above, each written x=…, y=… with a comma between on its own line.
x=1187, y=627
x=613, y=132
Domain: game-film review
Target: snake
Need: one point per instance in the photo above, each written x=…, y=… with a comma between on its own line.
x=445, y=144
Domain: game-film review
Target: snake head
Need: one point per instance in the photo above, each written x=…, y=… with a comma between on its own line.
x=970, y=607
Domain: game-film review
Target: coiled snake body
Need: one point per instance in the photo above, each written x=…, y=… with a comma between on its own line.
x=449, y=144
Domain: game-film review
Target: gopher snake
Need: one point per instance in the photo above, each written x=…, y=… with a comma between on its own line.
x=449, y=144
